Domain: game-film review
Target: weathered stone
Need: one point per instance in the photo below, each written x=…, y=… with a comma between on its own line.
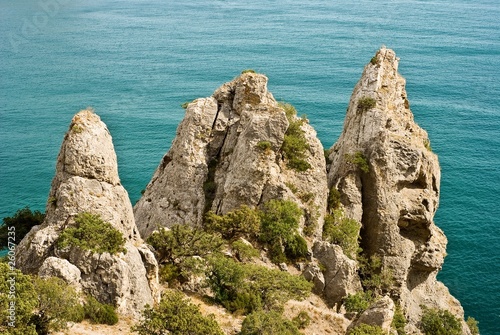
x=61, y=268
x=313, y=273
x=87, y=180
x=380, y=313
x=396, y=199
x=215, y=161
x=340, y=275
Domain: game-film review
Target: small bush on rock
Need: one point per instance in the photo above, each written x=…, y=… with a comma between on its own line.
x=439, y=322
x=100, y=313
x=243, y=222
x=295, y=143
x=364, y=329
x=472, y=324
x=343, y=231
x=176, y=315
x=267, y=323
x=22, y=221
x=358, y=302
x=93, y=234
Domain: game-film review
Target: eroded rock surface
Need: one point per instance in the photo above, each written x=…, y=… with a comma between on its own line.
x=215, y=162
x=397, y=197
x=87, y=180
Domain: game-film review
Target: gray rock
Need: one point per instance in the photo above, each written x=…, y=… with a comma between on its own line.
x=340, y=275
x=214, y=161
x=313, y=273
x=397, y=198
x=380, y=313
x=61, y=268
x=87, y=180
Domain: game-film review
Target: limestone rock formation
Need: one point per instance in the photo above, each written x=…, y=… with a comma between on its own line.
x=87, y=180
x=381, y=314
x=215, y=162
x=389, y=179
x=340, y=275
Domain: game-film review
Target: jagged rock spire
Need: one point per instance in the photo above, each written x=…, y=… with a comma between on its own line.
x=87, y=180
x=215, y=163
x=396, y=198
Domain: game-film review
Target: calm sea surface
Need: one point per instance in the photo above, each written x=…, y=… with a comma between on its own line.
x=137, y=61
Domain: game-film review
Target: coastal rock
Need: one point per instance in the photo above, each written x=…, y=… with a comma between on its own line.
x=381, y=314
x=340, y=275
x=389, y=179
x=215, y=161
x=87, y=180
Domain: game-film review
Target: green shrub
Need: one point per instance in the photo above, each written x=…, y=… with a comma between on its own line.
x=364, y=329
x=302, y=320
x=333, y=199
x=245, y=288
x=359, y=160
x=100, y=313
x=267, y=323
x=439, y=322
x=473, y=325
x=264, y=145
x=399, y=321
x=427, y=144
x=244, y=251
x=366, y=103
x=295, y=144
x=343, y=231
x=176, y=315
x=296, y=248
x=175, y=250
x=279, y=223
x=358, y=302
x=327, y=153
x=20, y=291
x=93, y=234
x=22, y=221
x=373, y=276
x=374, y=60
x=185, y=104
x=243, y=222
x=247, y=71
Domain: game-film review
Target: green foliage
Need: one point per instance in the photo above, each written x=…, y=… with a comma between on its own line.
x=245, y=288
x=473, y=325
x=292, y=187
x=185, y=104
x=295, y=144
x=373, y=276
x=22, y=221
x=358, y=302
x=296, y=248
x=333, y=199
x=327, y=153
x=247, y=71
x=176, y=315
x=399, y=321
x=264, y=146
x=374, y=60
x=100, y=313
x=244, y=251
x=439, y=322
x=267, y=323
x=366, y=103
x=427, y=144
x=16, y=288
x=359, y=160
x=302, y=320
x=279, y=223
x=93, y=234
x=176, y=247
x=343, y=231
x=58, y=303
x=364, y=329
x=243, y=222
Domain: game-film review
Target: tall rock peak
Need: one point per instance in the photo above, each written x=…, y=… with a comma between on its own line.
x=227, y=153
x=87, y=181
x=388, y=179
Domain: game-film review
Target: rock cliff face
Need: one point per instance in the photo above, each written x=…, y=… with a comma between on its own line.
x=87, y=180
x=396, y=197
x=215, y=161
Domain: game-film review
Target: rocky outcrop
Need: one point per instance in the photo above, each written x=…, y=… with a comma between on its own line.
x=389, y=179
x=227, y=153
x=87, y=180
x=340, y=273
x=380, y=313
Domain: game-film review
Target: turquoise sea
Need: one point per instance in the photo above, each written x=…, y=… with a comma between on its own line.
x=137, y=61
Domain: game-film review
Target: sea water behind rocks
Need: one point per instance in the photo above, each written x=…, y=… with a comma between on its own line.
x=137, y=61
